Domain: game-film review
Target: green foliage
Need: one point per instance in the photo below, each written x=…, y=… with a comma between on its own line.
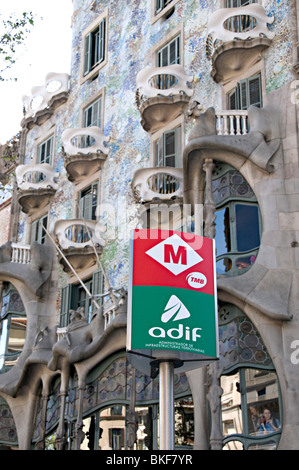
x=14, y=32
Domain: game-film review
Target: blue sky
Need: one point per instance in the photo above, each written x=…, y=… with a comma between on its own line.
x=47, y=49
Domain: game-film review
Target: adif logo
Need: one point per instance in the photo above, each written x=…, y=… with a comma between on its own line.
x=175, y=310
x=175, y=255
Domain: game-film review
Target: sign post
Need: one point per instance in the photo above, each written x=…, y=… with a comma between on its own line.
x=172, y=310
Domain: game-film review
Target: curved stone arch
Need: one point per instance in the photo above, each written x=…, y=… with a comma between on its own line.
x=242, y=352
x=255, y=155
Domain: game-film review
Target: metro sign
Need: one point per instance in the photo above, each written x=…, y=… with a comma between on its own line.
x=175, y=255
x=172, y=293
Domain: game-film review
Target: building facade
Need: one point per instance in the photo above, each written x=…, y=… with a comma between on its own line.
x=180, y=115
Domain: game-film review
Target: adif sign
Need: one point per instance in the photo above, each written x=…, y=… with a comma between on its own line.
x=172, y=296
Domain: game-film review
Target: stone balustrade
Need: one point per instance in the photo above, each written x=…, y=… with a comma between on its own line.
x=232, y=122
x=20, y=253
x=85, y=149
x=49, y=94
x=241, y=23
x=38, y=176
x=236, y=38
x=77, y=233
x=162, y=81
x=162, y=94
x=162, y=183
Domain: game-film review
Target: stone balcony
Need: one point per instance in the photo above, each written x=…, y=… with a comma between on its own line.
x=36, y=184
x=79, y=243
x=44, y=99
x=159, y=191
x=84, y=149
x=236, y=38
x=162, y=94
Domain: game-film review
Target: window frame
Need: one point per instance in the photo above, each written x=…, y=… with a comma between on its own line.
x=161, y=144
x=37, y=225
x=166, y=46
x=239, y=96
x=83, y=198
x=69, y=296
x=250, y=2
x=98, y=122
x=163, y=12
x=90, y=70
x=177, y=123
x=45, y=142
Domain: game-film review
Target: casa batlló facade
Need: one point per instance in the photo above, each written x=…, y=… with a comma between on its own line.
x=180, y=115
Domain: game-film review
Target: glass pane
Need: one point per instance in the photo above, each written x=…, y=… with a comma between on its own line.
x=222, y=226
x=17, y=334
x=223, y=265
x=246, y=262
x=272, y=445
x=112, y=430
x=145, y=428
x=247, y=227
x=233, y=445
x=169, y=143
x=262, y=402
x=184, y=422
x=232, y=420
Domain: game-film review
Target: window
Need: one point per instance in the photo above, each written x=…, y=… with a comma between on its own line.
x=170, y=53
x=237, y=221
x=94, y=47
x=92, y=114
x=251, y=392
x=12, y=326
x=248, y=92
x=167, y=148
x=239, y=3
x=45, y=151
x=38, y=234
x=161, y=4
x=74, y=296
x=88, y=200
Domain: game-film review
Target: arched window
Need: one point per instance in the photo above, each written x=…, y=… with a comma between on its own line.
x=238, y=224
x=250, y=403
x=12, y=326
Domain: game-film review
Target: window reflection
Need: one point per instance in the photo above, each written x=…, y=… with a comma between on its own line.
x=222, y=238
x=247, y=225
x=250, y=406
x=184, y=422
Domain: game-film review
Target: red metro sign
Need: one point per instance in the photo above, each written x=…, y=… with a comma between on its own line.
x=172, y=296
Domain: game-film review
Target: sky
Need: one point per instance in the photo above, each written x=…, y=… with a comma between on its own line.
x=47, y=49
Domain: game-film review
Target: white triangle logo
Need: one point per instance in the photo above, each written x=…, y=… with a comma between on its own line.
x=174, y=308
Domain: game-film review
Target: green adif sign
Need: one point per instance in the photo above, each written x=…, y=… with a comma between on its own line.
x=172, y=297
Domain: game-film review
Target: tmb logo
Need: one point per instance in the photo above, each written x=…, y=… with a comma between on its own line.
x=175, y=255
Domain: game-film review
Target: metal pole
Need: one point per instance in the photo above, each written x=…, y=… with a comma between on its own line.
x=166, y=405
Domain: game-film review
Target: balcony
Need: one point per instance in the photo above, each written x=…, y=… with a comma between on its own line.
x=232, y=122
x=236, y=38
x=78, y=242
x=85, y=149
x=40, y=105
x=160, y=192
x=37, y=184
x=162, y=95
